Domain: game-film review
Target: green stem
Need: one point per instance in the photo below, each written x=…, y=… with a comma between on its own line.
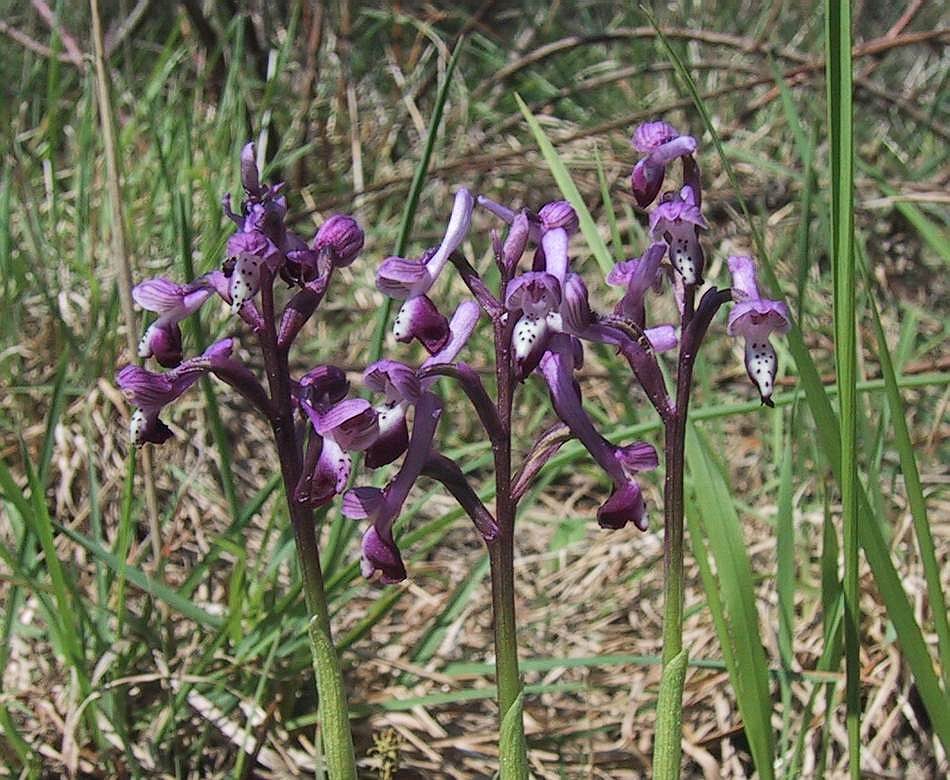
x=334, y=716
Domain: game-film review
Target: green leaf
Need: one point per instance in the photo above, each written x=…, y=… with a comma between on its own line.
x=667, y=749
x=512, y=749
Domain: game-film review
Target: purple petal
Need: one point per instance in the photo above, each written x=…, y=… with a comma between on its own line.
x=650, y=136
x=761, y=364
x=677, y=147
x=535, y=293
x=395, y=380
x=250, y=178
x=554, y=245
x=418, y=318
x=576, y=314
x=625, y=505
x=559, y=214
x=163, y=340
x=343, y=235
x=515, y=243
x=382, y=555
x=362, y=502
x=325, y=384
x=402, y=279
x=646, y=181
x=637, y=275
x=744, y=278
x=393, y=438
x=757, y=318
x=662, y=338
x=455, y=233
x=145, y=427
x=639, y=456
x=351, y=423
x=159, y=295
x=460, y=329
x=327, y=478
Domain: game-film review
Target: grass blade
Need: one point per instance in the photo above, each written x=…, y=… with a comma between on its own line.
x=568, y=189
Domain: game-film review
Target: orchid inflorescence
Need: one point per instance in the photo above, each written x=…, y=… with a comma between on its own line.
x=541, y=316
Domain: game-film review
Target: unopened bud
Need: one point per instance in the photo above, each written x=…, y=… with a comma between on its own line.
x=343, y=236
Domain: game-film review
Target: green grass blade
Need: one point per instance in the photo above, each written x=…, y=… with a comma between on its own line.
x=915, y=496
x=723, y=532
x=568, y=189
x=840, y=116
x=785, y=585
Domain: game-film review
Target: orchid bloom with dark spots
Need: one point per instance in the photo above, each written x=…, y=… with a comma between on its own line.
x=411, y=280
x=677, y=220
x=173, y=303
x=755, y=319
x=661, y=144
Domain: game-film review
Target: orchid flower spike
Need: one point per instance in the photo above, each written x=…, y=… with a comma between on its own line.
x=172, y=302
x=151, y=392
x=411, y=280
x=661, y=144
x=756, y=318
x=677, y=221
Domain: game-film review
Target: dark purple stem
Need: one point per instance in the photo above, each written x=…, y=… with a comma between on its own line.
x=447, y=471
x=472, y=385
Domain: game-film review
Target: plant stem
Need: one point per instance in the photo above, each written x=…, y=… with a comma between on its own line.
x=334, y=715
x=513, y=754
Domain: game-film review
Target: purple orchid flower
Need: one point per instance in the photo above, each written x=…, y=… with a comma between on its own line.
x=621, y=464
x=755, y=318
x=151, y=392
x=172, y=302
x=677, y=220
x=346, y=426
x=661, y=144
x=401, y=387
x=411, y=280
x=383, y=506
x=637, y=276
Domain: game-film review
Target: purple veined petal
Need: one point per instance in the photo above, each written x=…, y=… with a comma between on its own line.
x=625, y=505
x=744, y=278
x=159, y=295
x=638, y=456
x=650, y=136
x=646, y=181
x=245, y=280
x=674, y=148
x=250, y=179
x=576, y=314
x=761, y=364
x=502, y=212
x=418, y=318
x=393, y=437
x=516, y=241
x=529, y=340
x=252, y=242
x=396, y=381
x=535, y=293
x=559, y=214
x=327, y=478
x=352, y=423
x=554, y=245
x=163, y=341
x=325, y=384
x=382, y=555
x=459, y=223
x=402, y=279
x=145, y=389
x=662, y=338
x=757, y=318
x=362, y=502
x=343, y=235
x=637, y=276
x=461, y=327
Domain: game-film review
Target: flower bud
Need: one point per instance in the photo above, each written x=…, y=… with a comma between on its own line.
x=559, y=214
x=343, y=236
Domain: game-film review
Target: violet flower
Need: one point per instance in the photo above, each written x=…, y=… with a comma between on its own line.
x=677, y=220
x=172, y=302
x=637, y=276
x=151, y=392
x=411, y=280
x=755, y=318
x=661, y=144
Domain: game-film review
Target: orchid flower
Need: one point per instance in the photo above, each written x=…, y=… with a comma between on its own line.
x=173, y=303
x=661, y=144
x=755, y=318
x=411, y=280
x=677, y=220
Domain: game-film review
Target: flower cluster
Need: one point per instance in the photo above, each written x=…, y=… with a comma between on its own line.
x=261, y=251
